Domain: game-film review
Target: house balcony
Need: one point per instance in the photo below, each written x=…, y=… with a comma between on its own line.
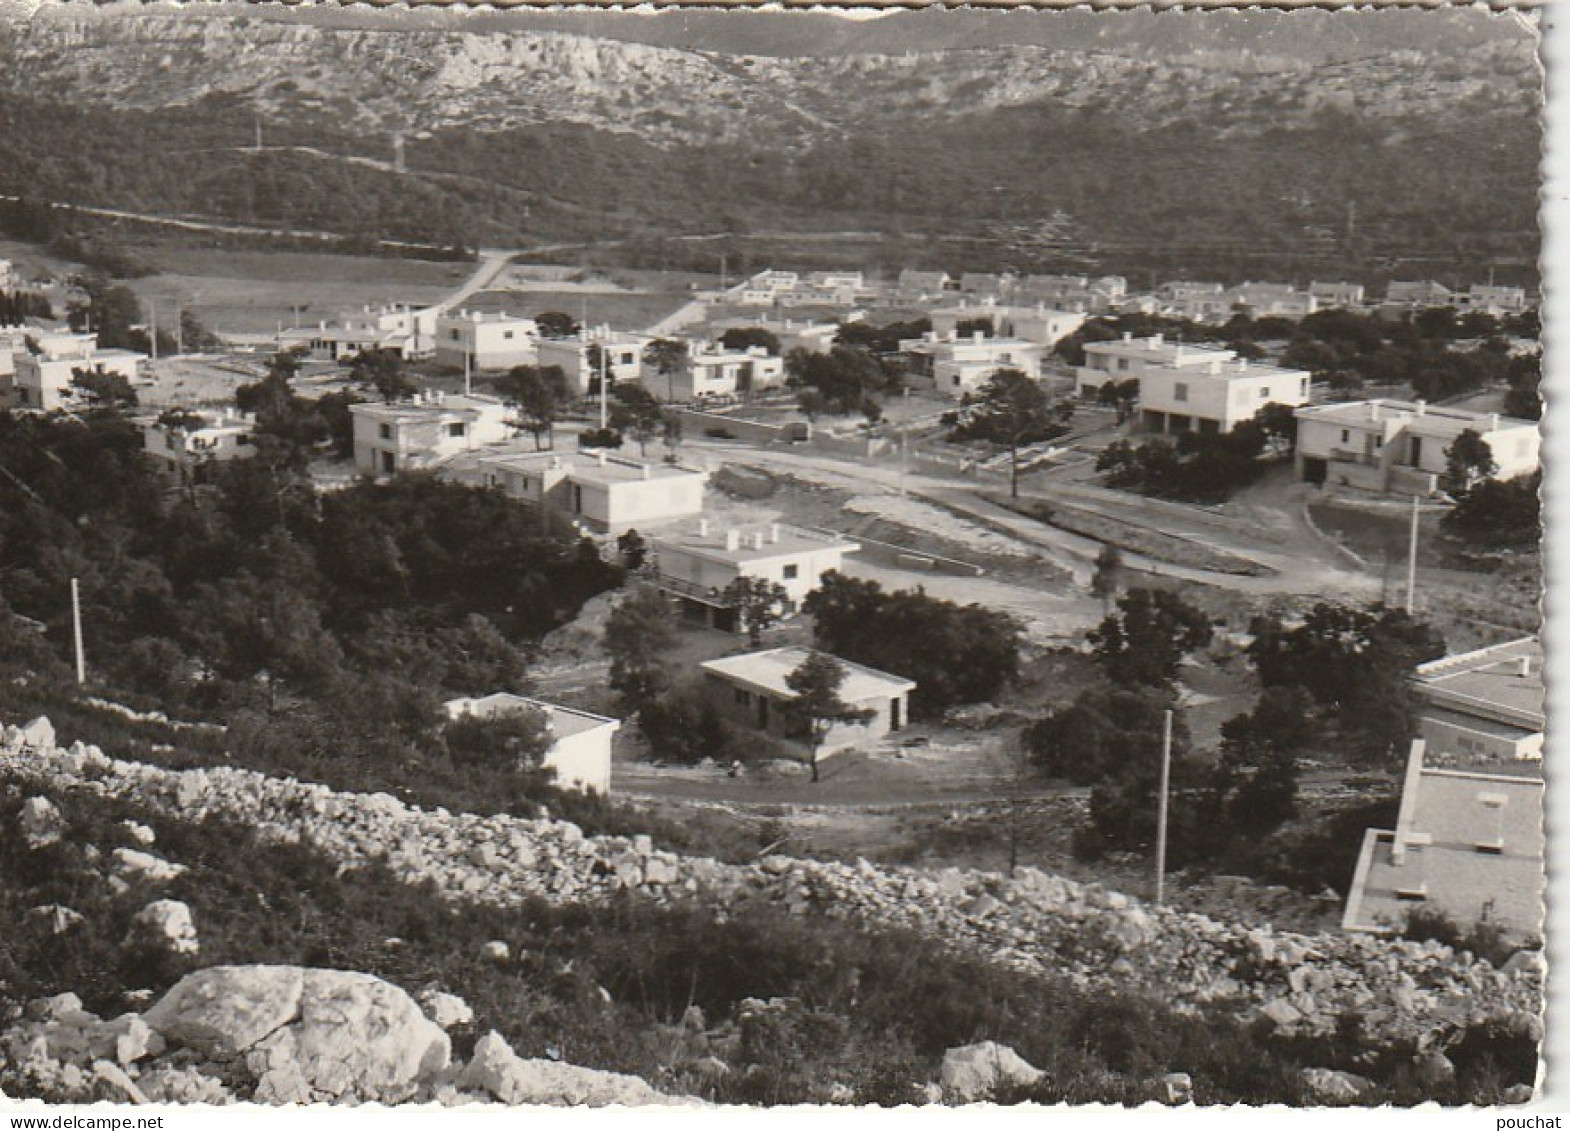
x=709, y=595
x=1349, y=455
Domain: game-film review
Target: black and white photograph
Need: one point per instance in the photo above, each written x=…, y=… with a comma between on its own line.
x=711, y=559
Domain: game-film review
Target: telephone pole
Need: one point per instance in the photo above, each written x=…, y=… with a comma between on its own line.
x=1161, y=807
x=76, y=632
x=1411, y=564
x=603, y=409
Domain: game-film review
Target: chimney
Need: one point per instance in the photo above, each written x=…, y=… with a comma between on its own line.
x=1156, y=340
x=703, y=528
x=1128, y=335
x=1493, y=422
x=774, y=532
x=976, y=335
x=643, y=471
x=601, y=454
x=1422, y=407
x=732, y=540
x=1523, y=666
x=757, y=540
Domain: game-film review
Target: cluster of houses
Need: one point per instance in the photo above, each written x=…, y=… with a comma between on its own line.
x=1198, y=301
x=1468, y=841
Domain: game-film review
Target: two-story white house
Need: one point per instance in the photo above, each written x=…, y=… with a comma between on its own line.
x=696, y=563
x=1399, y=446
x=1495, y=300
x=42, y=380
x=580, y=358
x=1215, y=397
x=422, y=432
x=580, y=742
x=206, y=436
x=1127, y=358
x=953, y=367
x=409, y=332
x=606, y=492
x=710, y=371
x=485, y=340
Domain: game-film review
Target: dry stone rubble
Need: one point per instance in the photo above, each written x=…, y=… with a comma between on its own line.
x=1034, y=921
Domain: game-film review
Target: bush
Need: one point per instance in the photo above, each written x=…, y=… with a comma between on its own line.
x=1488, y=941
x=683, y=725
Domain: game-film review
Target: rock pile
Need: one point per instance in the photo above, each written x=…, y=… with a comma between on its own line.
x=284, y=1034
x=1299, y=983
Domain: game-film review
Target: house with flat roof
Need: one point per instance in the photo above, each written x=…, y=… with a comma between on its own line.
x=424, y=431
x=1270, y=300
x=398, y=328
x=1332, y=295
x=923, y=284
x=1468, y=844
x=1483, y=709
x=41, y=377
x=1468, y=841
x=485, y=340
x=607, y=492
x=1040, y=323
x=1399, y=446
x=1127, y=358
x=204, y=436
x=709, y=371
x=1490, y=299
x=954, y=366
x=580, y=749
x=1215, y=397
x=580, y=357
x=752, y=690
x=696, y=563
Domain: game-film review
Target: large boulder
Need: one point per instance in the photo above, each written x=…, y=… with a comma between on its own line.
x=165, y=924
x=41, y=822
x=38, y=734
x=499, y=1072
x=975, y=1072
x=306, y=1035
x=1327, y=1086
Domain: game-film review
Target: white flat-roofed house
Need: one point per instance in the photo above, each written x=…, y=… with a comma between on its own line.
x=1489, y=299
x=710, y=371
x=406, y=331
x=42, y=380
x=1270, y=300
x=204, y=436
x=1215, y=397
x=485, y=340
x=696, y=563
x=1337, y=295
x=1399, y=446
x=752, y=690
x=1040, y=324
x=1127, y=358
x=766, y=288
x=1468, y=844
x=621, y=354
x=426, y=430
x=580, y=750
x=922, y=284
x=1468, y=841
x=1484, y=708
x=607, y=492
x=954, y=366
x=814, y=337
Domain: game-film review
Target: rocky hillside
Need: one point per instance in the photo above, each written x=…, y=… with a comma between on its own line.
x=427, y=79
x=1121, y=145
x=1293, y=984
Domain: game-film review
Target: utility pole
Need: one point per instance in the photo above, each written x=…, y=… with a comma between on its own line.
x=76, y=632
x=179, y=328
x=603, y=409
x=152, y=334
x=468, y=387
x=1411, y=564
x=1161, y=808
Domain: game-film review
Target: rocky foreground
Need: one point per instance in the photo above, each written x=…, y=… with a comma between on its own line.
x=1297, y=983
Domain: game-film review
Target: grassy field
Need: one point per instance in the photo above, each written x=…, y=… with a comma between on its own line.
x=622, y=310
x=251, y=292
